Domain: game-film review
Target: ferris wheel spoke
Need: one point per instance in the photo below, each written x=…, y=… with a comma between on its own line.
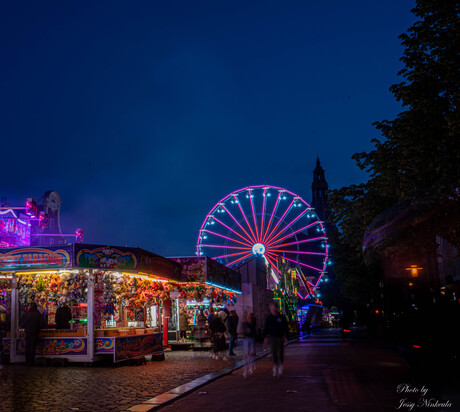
x=286, y=227
x=271, y=217
x=304, y=264
x=263, y=214
x=238, y=223
x=299, y=241
x=272, y=264
x=246, y=220
x=293, y=233
x=225, y=247
x=237, y=260
x=300, y=252
x=225, y=237
x=231, y=254
x=254, y=215
x=229, y=228
x=281, y=219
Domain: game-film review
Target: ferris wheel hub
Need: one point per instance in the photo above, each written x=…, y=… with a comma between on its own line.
x=258, y=249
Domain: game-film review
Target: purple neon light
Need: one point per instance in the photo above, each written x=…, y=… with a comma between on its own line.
x=304, y=264
x=231, y=254
x=293, y=233
x=263, y=213
x=236, y=221
x=226, y=247
x=254, y=215
x=280, y=220
x=246, y=220
x=229, y=228
x=271, y=217
x=288, y=226
x=237, y=260
x=298, y=251
x=225, y=237
x=299, y=241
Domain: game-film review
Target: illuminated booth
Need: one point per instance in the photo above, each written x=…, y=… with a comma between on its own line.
x=114, y=294
x=205, y=285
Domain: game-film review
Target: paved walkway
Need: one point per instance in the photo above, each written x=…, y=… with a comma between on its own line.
x=322, y=373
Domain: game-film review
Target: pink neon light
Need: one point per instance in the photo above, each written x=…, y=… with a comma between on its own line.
x=298, y=251
x=271, y=217
x=263, y=214
x=227, y=247
x=272, y=264
x=246, y=220
x=280, y=220
x=236, y=221
x=288, y=226
x=229, y=228
x=225, y=237
x=254, y=215
x=232, y=254
x=244, y=257
x=304, y=264
x=299, y=241
x=293, y=233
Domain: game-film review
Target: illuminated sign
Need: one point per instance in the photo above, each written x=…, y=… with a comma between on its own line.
x=34, y=258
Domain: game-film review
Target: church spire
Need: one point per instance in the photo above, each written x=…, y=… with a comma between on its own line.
x=319, y=189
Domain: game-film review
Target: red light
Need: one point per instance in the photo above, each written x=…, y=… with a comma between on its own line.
x=417, y=346
x=347, y=330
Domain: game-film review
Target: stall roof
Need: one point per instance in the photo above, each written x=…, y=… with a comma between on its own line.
x=203, y=269
x=83, y=255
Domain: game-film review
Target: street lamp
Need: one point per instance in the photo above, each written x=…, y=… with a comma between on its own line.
x=414, y=270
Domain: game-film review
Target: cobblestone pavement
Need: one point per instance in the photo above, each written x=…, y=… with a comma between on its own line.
x=101, y=388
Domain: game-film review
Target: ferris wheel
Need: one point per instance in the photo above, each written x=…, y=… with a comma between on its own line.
x=271, y=223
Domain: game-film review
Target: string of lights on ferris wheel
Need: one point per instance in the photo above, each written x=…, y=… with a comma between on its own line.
x=237, y=228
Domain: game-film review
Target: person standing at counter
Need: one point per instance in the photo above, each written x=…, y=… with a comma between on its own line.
x=63, y=317
x=32, y=322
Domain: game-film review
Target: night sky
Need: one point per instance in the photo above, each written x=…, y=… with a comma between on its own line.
x=144, y=114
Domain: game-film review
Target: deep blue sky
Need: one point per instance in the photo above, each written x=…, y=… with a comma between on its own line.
x=144, y=114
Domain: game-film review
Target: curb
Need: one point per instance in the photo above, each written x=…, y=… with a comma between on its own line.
x=180, y=391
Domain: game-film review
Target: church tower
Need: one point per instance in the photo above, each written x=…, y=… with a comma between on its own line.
x=319, y=190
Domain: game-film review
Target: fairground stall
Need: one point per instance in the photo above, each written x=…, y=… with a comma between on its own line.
x=205, y=285
x=113, y=296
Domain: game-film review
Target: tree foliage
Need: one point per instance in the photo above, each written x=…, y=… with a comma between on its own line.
x=417, y=157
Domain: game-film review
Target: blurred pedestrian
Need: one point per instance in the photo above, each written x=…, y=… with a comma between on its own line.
x=32, y=322
x=200, y=331
x=3, y=330
x=249, y=333
x=232, y=328
x=276, y=332
x=183, y=324
x=217, y=328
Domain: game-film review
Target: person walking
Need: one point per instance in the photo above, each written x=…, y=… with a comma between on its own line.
x=183, y=324
x=276, y=332
x=249, y=333
x=32, y=322
x=3, y=329
x=232, y=328
x=217, y=328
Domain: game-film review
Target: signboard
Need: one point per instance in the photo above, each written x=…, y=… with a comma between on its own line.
x=137, y=346
x=106, y=257
x=193, y=268
x=104, y=345
x=153, y=264
x=220, y=275
x=56, y=346
x=35, y=258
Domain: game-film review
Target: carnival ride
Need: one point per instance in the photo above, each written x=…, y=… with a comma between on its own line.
x=271, y=223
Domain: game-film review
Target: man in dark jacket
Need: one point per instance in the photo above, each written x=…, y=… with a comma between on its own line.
x=32, y=322
x=232, y=328
x=276, y=332
x=63, y=317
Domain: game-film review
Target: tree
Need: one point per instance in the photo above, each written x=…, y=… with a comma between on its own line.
x=417, y=157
